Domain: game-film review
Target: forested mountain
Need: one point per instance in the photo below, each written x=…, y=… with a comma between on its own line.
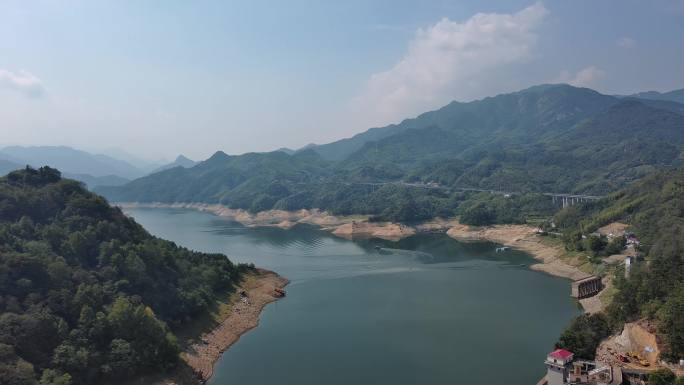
x=548, y=148
x=549, y=138
x=518, y=116
x=86, y=294
x=223, y=178
x=654, y=209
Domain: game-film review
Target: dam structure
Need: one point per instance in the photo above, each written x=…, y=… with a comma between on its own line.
x=586, y=287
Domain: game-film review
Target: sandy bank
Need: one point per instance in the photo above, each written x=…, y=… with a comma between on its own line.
x=349, y=227
x=523, y=238
x=260, y=290
x=390, y=231
x=200, y=356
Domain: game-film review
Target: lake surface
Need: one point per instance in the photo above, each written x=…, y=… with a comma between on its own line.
x=424, y=310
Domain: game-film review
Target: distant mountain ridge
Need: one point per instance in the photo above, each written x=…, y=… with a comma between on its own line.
x=95, y=181
x=7, y=165
x=224, y=177
x=181, y=161
x=548, y=138
x=71, y=160
x=672, y=96
x=540, y=106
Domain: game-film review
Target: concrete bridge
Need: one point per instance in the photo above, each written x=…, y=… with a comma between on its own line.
x=569, y=199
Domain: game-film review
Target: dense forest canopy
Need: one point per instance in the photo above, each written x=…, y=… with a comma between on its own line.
x=545, y=139
x=654, y=209
x=86, y=294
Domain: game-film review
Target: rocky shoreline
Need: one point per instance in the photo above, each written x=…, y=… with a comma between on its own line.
x=349, y=227
x=244, y=316
x=520, y=237
x=524, y=238
x=200, y=355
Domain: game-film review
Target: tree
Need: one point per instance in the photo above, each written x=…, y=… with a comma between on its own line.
x=615, y=246
x=17, y=372
x=662, y=376
x=671, y=322
x=52, y=377
x=121, y=358
x=595, y=243
x=151, y=343
x=14, y=370
x=70, y=358
x=584, y=335
x=478, y=215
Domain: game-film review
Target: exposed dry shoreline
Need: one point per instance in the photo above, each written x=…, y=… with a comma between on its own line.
x=524, y=238
x=343, y=226
x=200, y=356
x=521, y=237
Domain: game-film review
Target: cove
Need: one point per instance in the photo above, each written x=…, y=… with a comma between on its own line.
x=424, y=310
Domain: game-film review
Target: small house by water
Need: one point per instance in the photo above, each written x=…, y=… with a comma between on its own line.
x=563, y=369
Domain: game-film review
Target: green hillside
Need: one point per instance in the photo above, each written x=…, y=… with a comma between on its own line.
x=654, y=209
x=518, y=116
x=545, y=139
x=87, y=295
x=253, y=181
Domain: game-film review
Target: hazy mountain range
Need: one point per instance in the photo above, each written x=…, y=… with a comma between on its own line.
x=181, y=161
x=672, y=96
x=92, y=169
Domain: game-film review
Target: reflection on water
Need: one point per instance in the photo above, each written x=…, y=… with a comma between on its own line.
x=424, y=310
x=300, y=236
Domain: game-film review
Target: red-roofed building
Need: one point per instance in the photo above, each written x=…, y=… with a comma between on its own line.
x=563, y=369
x=558, y=364
x=561, y=354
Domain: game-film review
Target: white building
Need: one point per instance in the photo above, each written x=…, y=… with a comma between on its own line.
x=563, y=369
x=558, y=364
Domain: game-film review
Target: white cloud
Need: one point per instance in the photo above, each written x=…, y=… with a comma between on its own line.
x=586, y=77
x=626, y=42
x=451, y=60
x=23, y=82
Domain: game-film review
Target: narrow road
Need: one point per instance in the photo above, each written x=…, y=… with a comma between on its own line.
x=566, y=196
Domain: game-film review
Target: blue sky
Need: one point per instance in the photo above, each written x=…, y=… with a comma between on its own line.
x=158, y=78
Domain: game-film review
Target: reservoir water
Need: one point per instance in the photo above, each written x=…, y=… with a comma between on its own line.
x=424, y=310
